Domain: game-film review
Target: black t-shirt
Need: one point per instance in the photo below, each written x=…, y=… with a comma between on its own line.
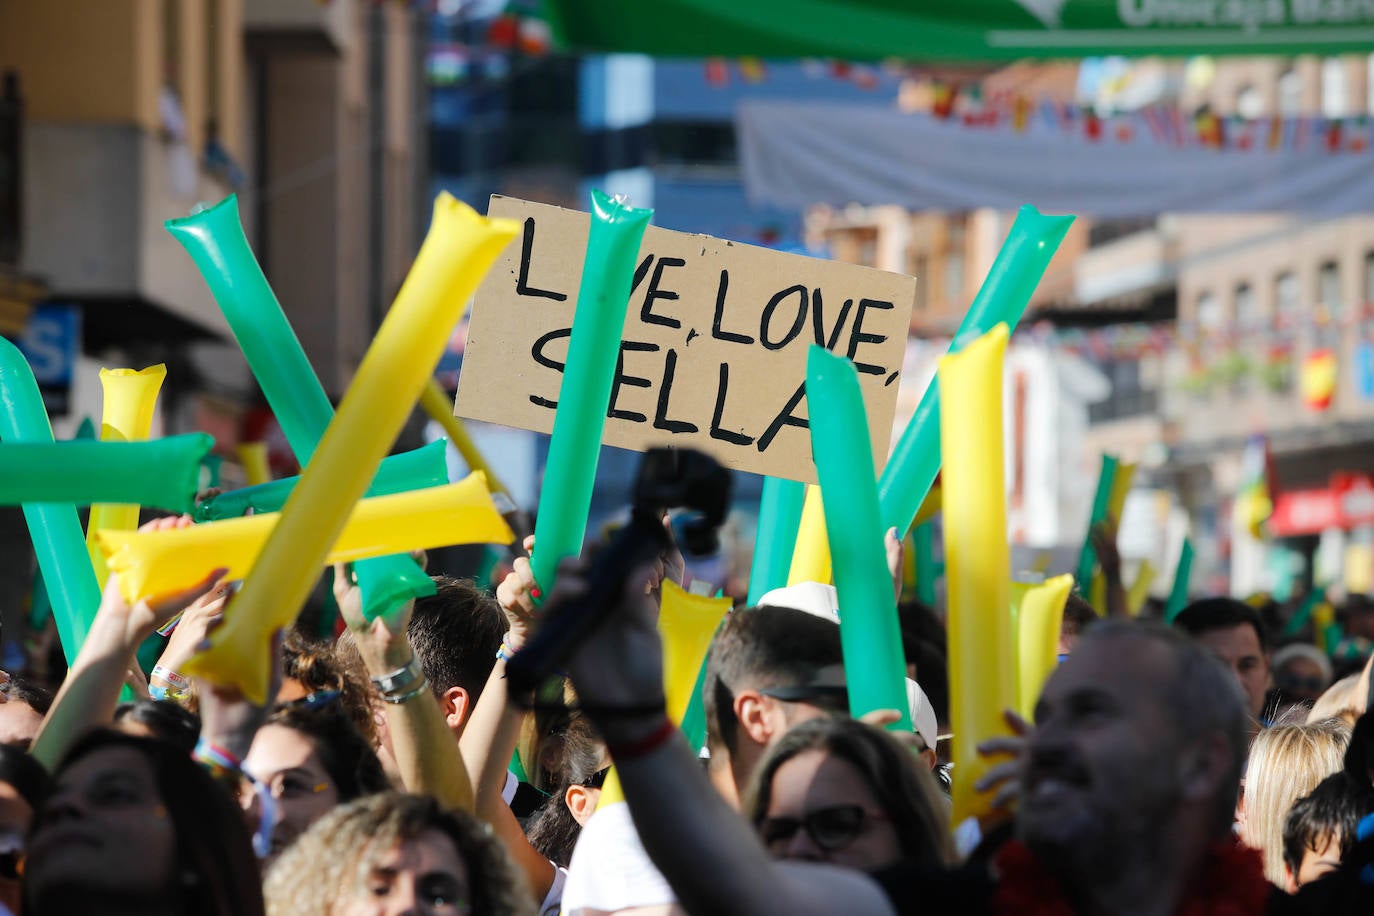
x=962, y=892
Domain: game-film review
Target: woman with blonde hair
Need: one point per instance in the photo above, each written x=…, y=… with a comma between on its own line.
x=396, y=853
x=1286, y=763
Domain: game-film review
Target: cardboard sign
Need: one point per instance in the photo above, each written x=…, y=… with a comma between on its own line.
x=713, y=355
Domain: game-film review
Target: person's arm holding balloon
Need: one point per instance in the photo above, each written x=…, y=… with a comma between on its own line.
x=493, y=729
x=90, y=692
x=190, y=631
x=1109, y=559
x=420, y=739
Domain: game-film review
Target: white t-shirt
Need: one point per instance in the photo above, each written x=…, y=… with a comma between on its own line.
x=610, y=870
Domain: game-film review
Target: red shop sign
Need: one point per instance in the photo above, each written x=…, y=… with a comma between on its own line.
x=1356, y=495
x=1347, y=503
x=1298, y=512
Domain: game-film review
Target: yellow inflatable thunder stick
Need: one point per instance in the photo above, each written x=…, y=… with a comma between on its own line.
x=982, y=660
x=1121, y=478
x=154, y=563
x=457, y=252
x=127, y=416
x=256, y=468
x=686, y=623
x=811, y=556
x=1039, y=616
x=1139, y=592
x=436, y=404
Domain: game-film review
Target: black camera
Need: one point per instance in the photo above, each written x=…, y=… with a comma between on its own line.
x=668, y=479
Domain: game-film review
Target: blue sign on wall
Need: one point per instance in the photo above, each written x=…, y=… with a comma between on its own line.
x=51, y=343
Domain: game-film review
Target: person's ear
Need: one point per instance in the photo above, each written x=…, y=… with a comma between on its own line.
x=456, y=705
x=929, y=758
x=752, y=713
x=1203, y=767
x=1290, y=880
x=581, y=802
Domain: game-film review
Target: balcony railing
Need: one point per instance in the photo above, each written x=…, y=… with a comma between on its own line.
x=11, y=142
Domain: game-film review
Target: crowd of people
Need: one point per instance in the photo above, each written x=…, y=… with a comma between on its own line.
x=1189, y=767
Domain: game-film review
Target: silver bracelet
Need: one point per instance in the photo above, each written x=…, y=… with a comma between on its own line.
x=399, y=681
x=398, y=699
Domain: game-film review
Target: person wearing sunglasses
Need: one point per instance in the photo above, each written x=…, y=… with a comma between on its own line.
x=839, y=791
x=1302, y=672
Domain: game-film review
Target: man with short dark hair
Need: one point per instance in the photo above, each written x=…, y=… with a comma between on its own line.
x=769, y=668
x=455, y=634
x=1234, y=633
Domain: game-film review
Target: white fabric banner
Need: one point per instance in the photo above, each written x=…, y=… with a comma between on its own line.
x=798, y=154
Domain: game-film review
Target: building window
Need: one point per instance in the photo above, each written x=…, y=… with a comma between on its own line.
x=1290, y=92
x=954, y=277
x=920, y=269
x=213, y=77
x=1369, y=83
x=1329, y=287
x=1287, y=302
x=1210, y=314
x=1335, y=88
x=171, y=44
x=1368, y=277
x=1247, y=309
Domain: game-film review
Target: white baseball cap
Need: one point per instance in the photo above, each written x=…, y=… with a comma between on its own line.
x=821, y=600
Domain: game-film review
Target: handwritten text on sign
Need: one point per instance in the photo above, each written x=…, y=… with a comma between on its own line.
x=713, y=355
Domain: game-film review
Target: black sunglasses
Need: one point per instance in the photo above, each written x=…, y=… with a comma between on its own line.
x=817, y=695
x=1294, y=684
x=596, y=780
x=829, y=828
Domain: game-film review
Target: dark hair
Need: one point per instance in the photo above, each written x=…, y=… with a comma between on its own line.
x=1333, y=810
x=579, y=752
x=320, y=666
x=1078, y=614
x=171, y=722
x=215, y=863
x=347, y=756
x=455, y=633
x=1220, y=614
x=763, y=647
x=25, y=774
x=1197, y=675
x=904, y=790
x=29, y=692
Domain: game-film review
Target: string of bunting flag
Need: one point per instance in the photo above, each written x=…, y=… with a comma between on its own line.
x=969, y=105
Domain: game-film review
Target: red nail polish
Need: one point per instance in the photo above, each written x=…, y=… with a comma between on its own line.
x=536, y=593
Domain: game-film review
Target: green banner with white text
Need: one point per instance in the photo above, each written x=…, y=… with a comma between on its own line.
x=961, y=30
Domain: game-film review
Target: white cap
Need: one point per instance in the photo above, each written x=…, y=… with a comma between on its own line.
x=820, y=600
x=812, y=598
x=922, y=714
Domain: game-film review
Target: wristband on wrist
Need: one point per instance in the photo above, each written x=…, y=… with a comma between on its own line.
x=169, y=694
x=507, y=651
x=400, y=681
x=218, y=761
x=629, y=750
x=171, y=677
